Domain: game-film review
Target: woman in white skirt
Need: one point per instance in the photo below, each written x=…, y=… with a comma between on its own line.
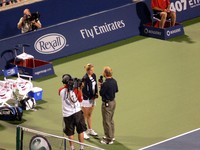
x=90, y=93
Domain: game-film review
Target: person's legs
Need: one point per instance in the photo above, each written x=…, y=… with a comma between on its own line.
x=89, y=119
x=88, y=115
x=89, y=122
x=104, y=118
x=80, y=127
x=173, y=16
x=70, y=142
x=84, y=109
x=69, y=129
x=85, y=113
x=113, y=106
x=163, y=16
x=81, y=139
x=106, y=115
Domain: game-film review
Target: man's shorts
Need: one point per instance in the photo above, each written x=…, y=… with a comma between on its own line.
x=74, y=121
x=157, y=14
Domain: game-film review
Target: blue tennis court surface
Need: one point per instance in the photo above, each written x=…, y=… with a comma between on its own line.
x=186, y=141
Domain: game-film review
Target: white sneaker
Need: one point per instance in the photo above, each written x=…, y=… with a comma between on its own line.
x=106, y=142
x=106, y=138
x=92, y=132
x=111, y=142
x=86, y=136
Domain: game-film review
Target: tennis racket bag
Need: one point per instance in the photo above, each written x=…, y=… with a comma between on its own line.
x=11, y=113
x=28, y=103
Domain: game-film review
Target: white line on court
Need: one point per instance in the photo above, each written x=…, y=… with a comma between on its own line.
x=169, y=139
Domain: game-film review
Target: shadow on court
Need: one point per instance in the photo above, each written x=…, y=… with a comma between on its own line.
x=2, y=127
x=120, y=144
x=116, y=146
x=183, y=38
x=186, y=38
x=16, y=122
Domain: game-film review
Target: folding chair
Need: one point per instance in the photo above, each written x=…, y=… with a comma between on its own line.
x=23, y=86
x=6, y=93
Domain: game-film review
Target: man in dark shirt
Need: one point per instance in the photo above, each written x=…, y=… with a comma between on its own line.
x=107, y=92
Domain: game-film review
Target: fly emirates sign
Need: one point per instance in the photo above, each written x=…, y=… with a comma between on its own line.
x=102, y=29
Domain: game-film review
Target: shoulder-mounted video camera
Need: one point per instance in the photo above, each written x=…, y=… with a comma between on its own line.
x=100, y=79
x=72, y=83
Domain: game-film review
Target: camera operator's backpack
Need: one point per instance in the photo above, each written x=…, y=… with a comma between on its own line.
x=11, y=113
x=28, y=103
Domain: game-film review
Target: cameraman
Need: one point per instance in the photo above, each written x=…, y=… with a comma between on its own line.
x=72, y=113
x=27, y=24
x=107, y=92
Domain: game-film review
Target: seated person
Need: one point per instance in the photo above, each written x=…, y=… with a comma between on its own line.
x=4, y=2
x=161, y=8
x=27, y=24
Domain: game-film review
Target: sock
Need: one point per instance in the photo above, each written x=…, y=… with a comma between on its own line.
x=72, y=147
x=82, y=146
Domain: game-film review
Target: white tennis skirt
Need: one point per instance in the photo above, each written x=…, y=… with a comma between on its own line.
x=88, y=103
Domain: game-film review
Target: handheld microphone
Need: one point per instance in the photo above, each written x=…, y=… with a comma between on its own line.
x=101, y=79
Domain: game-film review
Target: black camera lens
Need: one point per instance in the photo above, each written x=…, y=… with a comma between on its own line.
x=101, y=79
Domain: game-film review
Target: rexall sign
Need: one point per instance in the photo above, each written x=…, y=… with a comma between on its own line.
x=50, y=43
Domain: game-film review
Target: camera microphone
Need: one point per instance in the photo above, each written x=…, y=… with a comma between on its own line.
x=101, y=79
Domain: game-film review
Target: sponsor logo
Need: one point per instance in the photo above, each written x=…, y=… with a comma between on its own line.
x=173, y=31
x=179, y=5
x=168, y=33
x=182, y=5
x=194, y=3
x=102, y=29
x=5, y=112
x=43, y=71
x=147, y=31
x=50, y=43
x=39, y=142
x=11, y=72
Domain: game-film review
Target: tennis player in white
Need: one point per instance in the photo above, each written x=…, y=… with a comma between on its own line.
x=90, y=93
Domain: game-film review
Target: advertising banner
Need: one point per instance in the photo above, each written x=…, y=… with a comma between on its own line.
x=186, y=9
x=163, y=34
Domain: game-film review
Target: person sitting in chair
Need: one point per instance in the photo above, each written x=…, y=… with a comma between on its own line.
x=161, y=8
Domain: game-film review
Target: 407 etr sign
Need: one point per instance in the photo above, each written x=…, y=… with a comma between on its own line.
x=182, y=5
